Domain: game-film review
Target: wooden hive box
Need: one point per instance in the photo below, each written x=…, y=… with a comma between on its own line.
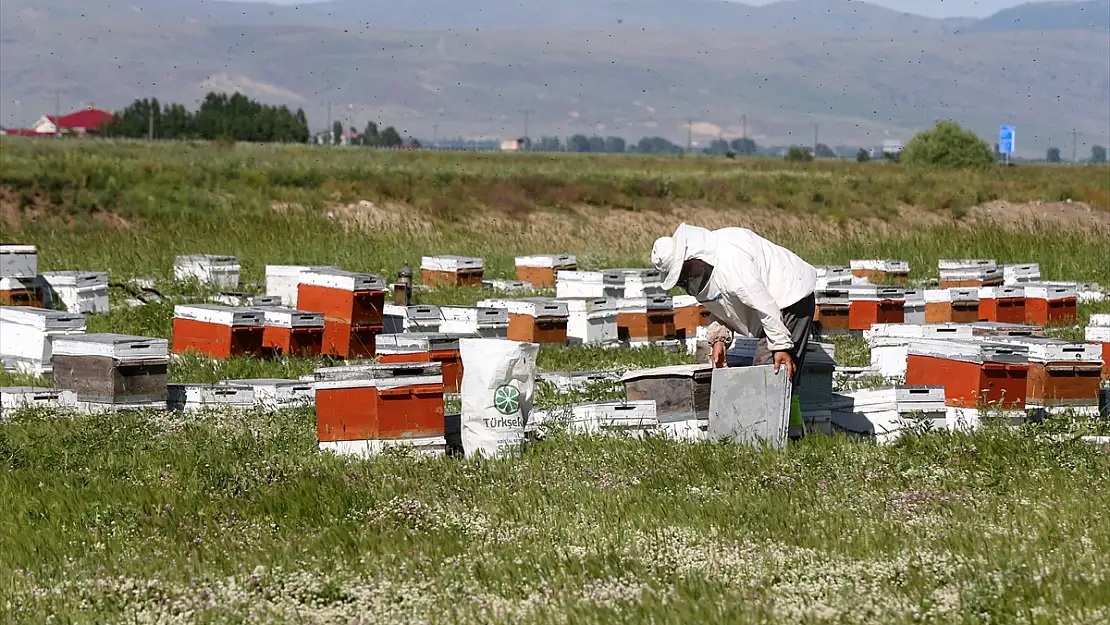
x=1050, y=305
x=689, y=315
x=882, y=271
x=971, y=373
x=112, y=368
x=291, y=332
x=217, y=331
x=1061, y=373
x=284, y=281
x=541, y=270
x=649, y=318
x=426, y=347
x=1005, y=304
x=954, y=305
x=21, y=292
x=27, y=334
x=680, y=393
x=439, y=271
x=383, y=401
x=833, y=309
x=348, y=297
x=871, y=304
x=534, y=319
x=591, y=321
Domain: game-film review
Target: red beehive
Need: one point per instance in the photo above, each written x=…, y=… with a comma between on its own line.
x=452, y=271
x=534, y=319
x=292, y=332
x=217, y=331
x=1005, y=304
x=426, y=347
x=971, y=373
x=344, y=340
x=870, y=304
x=384, y=401
x=689, y=315
x=353, y=298
x=1049, y=305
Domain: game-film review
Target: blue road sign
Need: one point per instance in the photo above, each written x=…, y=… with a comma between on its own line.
x=1006, y=139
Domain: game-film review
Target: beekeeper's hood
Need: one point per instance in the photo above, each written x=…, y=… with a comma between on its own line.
x=688, y=242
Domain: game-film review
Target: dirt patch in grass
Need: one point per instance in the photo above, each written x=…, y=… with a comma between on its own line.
x=18, y=208
x=1069, y=215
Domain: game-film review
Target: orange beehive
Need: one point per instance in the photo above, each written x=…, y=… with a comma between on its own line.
x=540, y=270
x=1061, y=373
x=426, y=347
x=217, y=331
x=969, y=273
x=870, y=304
x=292, y=332
x=452, y=271
x=1004, y=304
x=951, y=305
x=352, y=298
x=1049, y=305
x=534, y=319
x=648, y=318
x=384, y=401
x=971, y=374
x=344, y=340
x=689, y=315
x=20, y=292
x=882, y=271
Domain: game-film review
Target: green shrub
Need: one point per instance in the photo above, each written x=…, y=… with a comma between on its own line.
x=948, y=145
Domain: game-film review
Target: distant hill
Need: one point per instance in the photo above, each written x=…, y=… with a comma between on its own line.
x=1090, y=15
x=861, y=72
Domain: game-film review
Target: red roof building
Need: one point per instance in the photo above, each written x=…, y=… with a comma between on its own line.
x=83, y=122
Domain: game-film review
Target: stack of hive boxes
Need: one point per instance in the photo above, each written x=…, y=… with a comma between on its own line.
x=644, y=321
x=871, y=304
x=975, y=375
x=913, y=311
x=833, y=303
x=1050, y=305
x=112, y=371
x=1005, y=304
x=288, y=332
x=365, y=409
x=971, y=272
x=1062, y=374
x=353, y=306
x=591, y=321
x=284, y=281
x=1098, y=331
x=890, y=343
x=951, y=305
x=19, y=284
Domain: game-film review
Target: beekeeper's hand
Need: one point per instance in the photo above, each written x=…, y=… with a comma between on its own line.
x=719, y=355
x=784, y=359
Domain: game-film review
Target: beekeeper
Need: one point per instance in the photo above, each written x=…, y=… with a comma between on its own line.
x=750, y=286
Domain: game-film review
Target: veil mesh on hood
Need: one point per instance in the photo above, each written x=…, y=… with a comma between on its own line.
x=701, y=244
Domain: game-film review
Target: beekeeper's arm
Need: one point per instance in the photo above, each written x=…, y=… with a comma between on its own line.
x=720, y=337
x=748, y=287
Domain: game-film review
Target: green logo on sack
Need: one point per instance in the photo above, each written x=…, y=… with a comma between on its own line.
x=506, y=399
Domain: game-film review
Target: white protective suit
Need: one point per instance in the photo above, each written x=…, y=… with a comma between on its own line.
x=752, y=281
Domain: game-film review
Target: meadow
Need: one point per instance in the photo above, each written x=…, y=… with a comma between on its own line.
x=237, y=518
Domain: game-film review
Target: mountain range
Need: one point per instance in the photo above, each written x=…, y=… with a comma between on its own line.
x=860, y=72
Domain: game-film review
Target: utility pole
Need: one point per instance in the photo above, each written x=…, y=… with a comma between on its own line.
x=1074, y=145
x=527, y=139
x=57, y=113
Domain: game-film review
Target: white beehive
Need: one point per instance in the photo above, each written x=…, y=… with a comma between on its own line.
x=208, y=269
x=18, y=261
x=78, y=291
x=27, y=336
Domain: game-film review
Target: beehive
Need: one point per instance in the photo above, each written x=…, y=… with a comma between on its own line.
x=21, y=292
x=689, y=315
x=426, y=347
x=972, y=373
x=871, y=304
x=966, y=273
x=216, y=270
x=353, y=305
x=217, y=331
x=952, y=305
x=1061, y=373
x=534, y=320
x=591, y=321
x=112, y=370
x=833, y=309
x=882, y=271
x=284, y=281
x=541, y=270
x=1049, y=305
x=18, y=261
x=288, y=332
x=646, y=318
x=77, y=291
x=414, y=318
x=452, y=271
x=27, y=335
x=383, y=401
x=490, y=323
x=1005, y=304
x=589, y=284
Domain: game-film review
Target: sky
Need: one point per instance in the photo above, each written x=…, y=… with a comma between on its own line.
x=930, y=8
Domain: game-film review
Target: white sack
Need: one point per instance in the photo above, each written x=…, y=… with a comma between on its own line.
x=499, y=378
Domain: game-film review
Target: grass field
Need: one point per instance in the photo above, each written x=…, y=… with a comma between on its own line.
x=219, y=518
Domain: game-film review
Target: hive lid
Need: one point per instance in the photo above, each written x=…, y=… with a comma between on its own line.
x=118, y=346
x=694, y=372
